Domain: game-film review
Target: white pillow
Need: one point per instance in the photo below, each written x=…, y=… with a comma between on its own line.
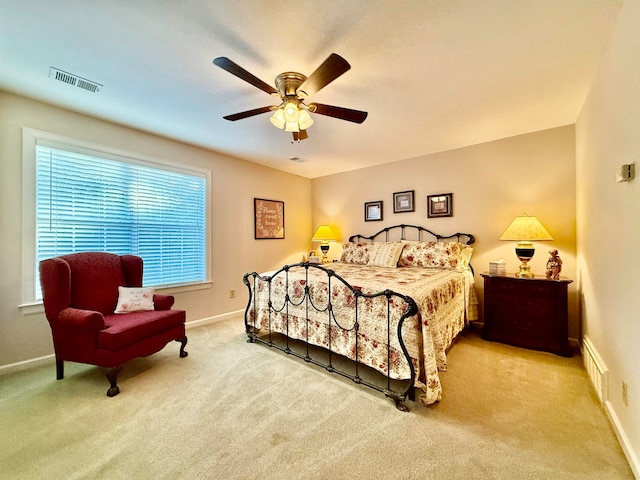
x=465, y=258
x=134, y=299
x=385, y=254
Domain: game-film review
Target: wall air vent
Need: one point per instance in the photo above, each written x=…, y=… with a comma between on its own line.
x=75, y=80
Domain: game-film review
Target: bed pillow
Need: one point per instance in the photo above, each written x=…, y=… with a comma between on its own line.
x=355, y=253
x=465, y=258
x=443, y=255
x=385, y=254
x=134, y=299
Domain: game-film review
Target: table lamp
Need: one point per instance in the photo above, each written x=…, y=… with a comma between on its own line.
x=324, y=235
x=525, y=230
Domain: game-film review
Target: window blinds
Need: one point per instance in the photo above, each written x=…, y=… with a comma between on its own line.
x=89, y=203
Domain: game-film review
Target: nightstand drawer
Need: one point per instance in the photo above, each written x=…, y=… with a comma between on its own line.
x=529, y=305
x=524, y=325
x=510, y=289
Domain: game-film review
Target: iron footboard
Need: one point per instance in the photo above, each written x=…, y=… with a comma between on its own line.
x=302, y=346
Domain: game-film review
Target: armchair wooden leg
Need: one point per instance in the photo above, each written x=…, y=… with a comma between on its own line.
x=183, y=341
x=112, y=376
x=59, y=369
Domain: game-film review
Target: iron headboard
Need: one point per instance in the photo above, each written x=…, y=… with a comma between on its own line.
x=416, y=233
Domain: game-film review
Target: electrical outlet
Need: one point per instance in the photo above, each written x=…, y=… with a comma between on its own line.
x=232, y=294
x=625, y=399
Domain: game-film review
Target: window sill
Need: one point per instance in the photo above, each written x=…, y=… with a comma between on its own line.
x=31, y=308
x=187, y=287
x=36, y=308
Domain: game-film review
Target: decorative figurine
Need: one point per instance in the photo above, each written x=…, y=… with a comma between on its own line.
x=554, y=265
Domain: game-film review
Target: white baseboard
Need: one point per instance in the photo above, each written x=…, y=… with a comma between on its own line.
x=632, y=458
x=27, y=364
x=216, y=318
x=51, y=360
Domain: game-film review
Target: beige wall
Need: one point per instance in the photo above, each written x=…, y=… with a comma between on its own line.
x=492, y=183
x=608, y=214
x=234, y=185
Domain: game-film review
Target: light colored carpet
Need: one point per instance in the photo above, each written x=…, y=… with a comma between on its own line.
x=237, y=410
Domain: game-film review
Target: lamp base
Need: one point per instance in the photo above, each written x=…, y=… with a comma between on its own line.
x=325, y=250
x=525, y=270
x=524, y=252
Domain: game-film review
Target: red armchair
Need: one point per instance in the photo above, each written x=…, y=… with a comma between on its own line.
x=80, y=293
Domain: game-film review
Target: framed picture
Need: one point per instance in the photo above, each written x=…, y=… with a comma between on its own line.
x=373, y=211
x=403, y=202
x=269, y=219
x=440, y=205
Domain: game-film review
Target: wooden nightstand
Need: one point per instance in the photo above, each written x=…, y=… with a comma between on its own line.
x=527, y=312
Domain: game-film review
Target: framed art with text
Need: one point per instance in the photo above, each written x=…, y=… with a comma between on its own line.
x=373, y=211
x=269, y=219
x=440, y=205
x=403, y=202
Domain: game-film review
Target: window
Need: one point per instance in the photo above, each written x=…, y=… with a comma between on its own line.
x=93, y=201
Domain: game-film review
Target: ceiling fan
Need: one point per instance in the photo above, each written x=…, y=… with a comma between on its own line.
x=292, y=89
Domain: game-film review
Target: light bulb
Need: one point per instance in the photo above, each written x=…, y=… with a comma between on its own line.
x=291, y=112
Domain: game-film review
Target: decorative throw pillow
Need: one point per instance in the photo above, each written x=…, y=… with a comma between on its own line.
x=385, y=254
x=444, y=255
x=355, y=253
x=134, y=299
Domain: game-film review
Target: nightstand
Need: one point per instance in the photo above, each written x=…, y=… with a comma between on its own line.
x=527, y=312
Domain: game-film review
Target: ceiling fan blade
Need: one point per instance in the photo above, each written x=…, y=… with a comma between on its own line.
x=327, y=72
x=355, y=116
x=248, y=113
x=238, y=71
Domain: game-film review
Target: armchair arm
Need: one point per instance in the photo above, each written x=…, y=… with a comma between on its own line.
x=75, y=317
x=162, y=302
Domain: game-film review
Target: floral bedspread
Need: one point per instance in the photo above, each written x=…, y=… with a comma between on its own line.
x=442, y=296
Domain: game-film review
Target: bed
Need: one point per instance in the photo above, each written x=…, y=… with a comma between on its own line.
x=384, y=316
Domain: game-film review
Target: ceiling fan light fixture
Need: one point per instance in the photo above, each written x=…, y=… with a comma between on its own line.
x=292, y=127
x=291, y=112
x=304, y=120
x=293, y=88
x=277, y=119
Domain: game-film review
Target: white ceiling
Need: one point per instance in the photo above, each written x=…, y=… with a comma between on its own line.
x=434, y=75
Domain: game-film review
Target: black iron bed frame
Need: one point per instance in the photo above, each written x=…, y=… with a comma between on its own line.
x=397, y=390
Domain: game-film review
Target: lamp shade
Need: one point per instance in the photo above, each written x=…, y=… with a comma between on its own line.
x=291, y=127
x=526, y=227
x=304, y=120
x=277, y=119
x=324, y=234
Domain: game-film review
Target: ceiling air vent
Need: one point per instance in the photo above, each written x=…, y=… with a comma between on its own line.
x=297, y=159
x=74, y=80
